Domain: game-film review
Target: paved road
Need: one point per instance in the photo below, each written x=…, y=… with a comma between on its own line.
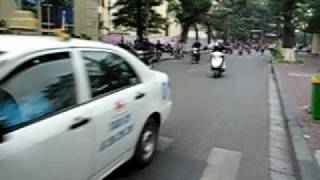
x=230, y=113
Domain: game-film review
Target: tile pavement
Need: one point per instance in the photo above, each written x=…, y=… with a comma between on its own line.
x=295, y=80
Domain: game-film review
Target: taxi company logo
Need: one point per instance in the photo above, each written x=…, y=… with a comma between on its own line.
x=119, y=105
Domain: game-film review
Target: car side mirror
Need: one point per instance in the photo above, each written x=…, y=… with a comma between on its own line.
x=2, y=132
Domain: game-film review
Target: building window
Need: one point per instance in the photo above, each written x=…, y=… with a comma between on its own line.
x=55, y=13
x=108, y=72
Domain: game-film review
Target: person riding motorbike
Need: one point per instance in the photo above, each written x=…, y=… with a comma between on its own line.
x=197, y=44
x=179, y=49
x=219, y=48
x=218, y=65
x=196, y=51
x=127, y=46
x=159, y=49
x=159, y=45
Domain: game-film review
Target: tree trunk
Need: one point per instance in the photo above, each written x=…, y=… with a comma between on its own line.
x=209, y=34
x=184, y=32
x=196, y=31
x=279, y=31
x=288, y=37
x=139, y=30
x=147, y=23
x=167, y=30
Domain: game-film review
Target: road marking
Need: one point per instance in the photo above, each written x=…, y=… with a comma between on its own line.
x=191, y=70
x=223, y=164
x=164, y=143
x=300, y=75
x=317, y=155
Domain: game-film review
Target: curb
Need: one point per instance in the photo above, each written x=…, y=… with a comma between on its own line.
x=305, y=163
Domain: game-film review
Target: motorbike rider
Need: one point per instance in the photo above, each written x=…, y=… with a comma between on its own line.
x=126, y=46
x=158, y=47
x=262, y=49
x=173, y=46
x=179, y=48
x=197, y=45
x=219, y=47
x=217, y=58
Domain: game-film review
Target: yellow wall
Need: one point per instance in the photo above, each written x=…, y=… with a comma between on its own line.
x=6, y=8
x=86, y=18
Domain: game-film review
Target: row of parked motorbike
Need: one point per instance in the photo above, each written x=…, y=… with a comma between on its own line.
x=152, y=56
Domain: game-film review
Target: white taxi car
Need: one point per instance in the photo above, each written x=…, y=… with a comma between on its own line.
x=75, y=110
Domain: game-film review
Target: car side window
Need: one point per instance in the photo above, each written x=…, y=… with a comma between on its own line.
x=39, y=87
x=108, y=72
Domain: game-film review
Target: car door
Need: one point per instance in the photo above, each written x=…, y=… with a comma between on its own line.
x=117, y=98
x=48, y=135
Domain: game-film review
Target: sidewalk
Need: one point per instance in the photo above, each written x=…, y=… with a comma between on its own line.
x=296, y=82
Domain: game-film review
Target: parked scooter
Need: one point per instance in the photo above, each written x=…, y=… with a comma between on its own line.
x=178, y=54
x=217, y=64
x=240, y=52
x=248, y=51
x=195, y=55
x=147, y=57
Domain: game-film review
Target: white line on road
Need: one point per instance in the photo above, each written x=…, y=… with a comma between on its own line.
x=223, y=164
x=303, y=75
x=191, y=70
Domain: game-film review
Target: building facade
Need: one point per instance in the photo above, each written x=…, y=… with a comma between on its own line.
x=79, y=17
x=90, y=18
x=6, y=8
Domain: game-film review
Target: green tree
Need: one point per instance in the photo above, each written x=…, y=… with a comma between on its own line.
x=286, y=12
x=235, y=19
x=312, y=14
x=138, y=15
x=189, y=13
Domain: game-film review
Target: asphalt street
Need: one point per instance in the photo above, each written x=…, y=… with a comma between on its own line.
x=229, y=113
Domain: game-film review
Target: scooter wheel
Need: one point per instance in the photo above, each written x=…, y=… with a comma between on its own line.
x=215, y=74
